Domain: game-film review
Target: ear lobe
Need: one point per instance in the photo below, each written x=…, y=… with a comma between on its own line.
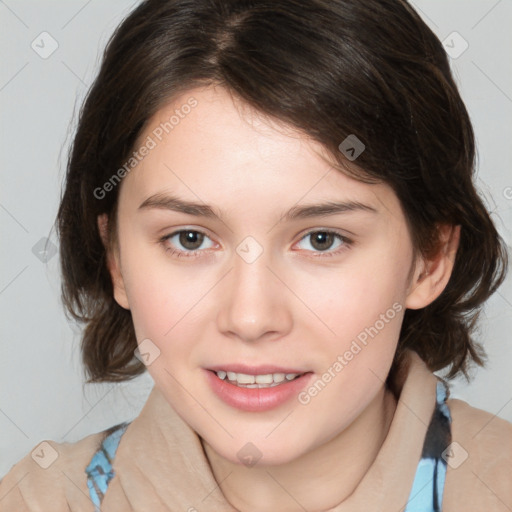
x=113, y=263
x=432, y=275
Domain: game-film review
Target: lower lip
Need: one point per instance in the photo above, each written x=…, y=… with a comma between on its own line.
x=256, y=399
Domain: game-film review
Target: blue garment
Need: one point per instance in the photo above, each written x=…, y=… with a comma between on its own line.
x=427, y=490
x=99, y=471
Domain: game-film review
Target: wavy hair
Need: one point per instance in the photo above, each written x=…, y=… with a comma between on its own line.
x=330, y=68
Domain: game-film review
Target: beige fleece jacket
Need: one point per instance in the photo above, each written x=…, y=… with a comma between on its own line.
x=160, y=465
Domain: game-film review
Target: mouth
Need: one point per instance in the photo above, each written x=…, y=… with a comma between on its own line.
x=256, y=389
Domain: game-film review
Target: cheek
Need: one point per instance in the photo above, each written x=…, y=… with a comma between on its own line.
x=159, y=293
x=170, y=304
x=355, y=297
x=152, y=307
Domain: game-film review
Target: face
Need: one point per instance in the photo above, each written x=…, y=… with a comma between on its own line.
x=255, y=280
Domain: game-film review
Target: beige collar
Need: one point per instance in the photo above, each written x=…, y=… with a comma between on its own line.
x=160, y=464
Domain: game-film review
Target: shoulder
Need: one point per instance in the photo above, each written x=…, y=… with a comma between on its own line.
x=481, y=432
x=479, y=460
x=50, y=477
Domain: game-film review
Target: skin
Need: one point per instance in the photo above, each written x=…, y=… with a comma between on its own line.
x=293, y=306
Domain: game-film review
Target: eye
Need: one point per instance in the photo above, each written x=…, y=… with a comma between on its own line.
x=189, y=242
x=323, y=240
x=189, y=239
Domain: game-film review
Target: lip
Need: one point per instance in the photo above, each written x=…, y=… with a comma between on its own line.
x=256, y=399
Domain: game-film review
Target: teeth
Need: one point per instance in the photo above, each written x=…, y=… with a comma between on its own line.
x=242, y=378
x=256, y=381
x=264, y=379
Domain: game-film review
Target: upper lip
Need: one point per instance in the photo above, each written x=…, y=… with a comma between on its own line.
x=255, y=370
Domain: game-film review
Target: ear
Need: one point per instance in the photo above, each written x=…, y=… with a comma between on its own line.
x=432, y=275
x=113, y=263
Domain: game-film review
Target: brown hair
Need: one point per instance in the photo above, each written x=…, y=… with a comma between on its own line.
x=330, y=68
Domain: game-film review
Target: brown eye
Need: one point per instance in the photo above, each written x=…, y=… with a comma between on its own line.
x=191, y=240
x=186, y=242
x=322, y=240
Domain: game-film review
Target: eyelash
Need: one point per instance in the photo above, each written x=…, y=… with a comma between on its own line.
x=347, y=243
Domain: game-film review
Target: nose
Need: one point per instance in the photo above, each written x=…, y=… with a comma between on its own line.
x=254, y=302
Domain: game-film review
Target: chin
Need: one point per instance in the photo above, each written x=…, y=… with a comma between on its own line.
x=259, y=454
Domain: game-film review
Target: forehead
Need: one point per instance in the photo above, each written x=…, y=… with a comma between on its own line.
x=207, y=145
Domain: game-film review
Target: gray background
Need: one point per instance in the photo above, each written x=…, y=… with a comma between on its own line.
x=42, y=395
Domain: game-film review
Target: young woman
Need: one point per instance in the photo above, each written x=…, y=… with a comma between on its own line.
x=269, y=206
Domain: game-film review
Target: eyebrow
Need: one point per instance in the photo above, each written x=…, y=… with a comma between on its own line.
x=173, y=203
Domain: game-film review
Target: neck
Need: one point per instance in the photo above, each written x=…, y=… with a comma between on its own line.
x=317, y=480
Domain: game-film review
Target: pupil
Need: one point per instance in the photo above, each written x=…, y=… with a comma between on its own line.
x=193, y=238
x=323, y=238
